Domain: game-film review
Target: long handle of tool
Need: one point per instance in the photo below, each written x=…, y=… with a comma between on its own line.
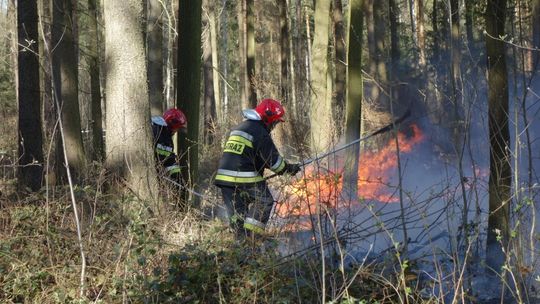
x=183, y=187
x=384, y=129
x=377, y=132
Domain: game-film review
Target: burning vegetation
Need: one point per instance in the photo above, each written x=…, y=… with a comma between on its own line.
x=322, y=188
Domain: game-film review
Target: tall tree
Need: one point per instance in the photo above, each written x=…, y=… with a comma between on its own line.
x=393, y=15
x=500, y=177
x=243, y=82
x=354, y=95
x=30, y=170
x=536, y=34
x=128, y=137
x=95, y=84
x=420, y=34
x=221, y=110
x=455, y=39
x=154, y=52
x=285, y=76
x=209, y=103
x=380, y=89
x=45, y=18
x=322, y=129
x=469, y=23
x=212, y=20
x=340, y=78
x=66, y=86
x=436, y=35
x=188, y=98
x=251, y=52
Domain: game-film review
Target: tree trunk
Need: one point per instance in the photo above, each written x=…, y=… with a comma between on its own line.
x=370, y=27
x=354, y=97
x=499, y=134
x=212, y=19
x=154, y=53
x=393, y=15
x=322, y=128
x=536, y=34
x=188, y=98
x=66, y=86
x=250, y=53
x=284, y=58
x=381, y=72
x=340, y=78
x=95, y=87
x=299, y=50
x=455, y=38
x=436, y=35
x=420, y=34
x=456, y=88
x=30, y=170
x=469, y=22
x=128, y=137
x=222, y=109
x=46, y=78
x=209, y=103
x=243, y=83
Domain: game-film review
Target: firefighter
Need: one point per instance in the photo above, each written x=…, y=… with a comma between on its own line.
x=163, y=129
x=248, y=151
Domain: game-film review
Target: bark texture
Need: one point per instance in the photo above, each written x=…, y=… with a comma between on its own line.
x=128, y=139
x=188, y=98
x=322, y=128
x=30, y=170
x=499, y=134
x=66, y=87
x=354, y=96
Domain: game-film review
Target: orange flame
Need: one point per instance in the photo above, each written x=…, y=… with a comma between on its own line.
x=375, y=171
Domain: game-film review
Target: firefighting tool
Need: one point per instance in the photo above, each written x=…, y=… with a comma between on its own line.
x=183, y=187
x=382, y=130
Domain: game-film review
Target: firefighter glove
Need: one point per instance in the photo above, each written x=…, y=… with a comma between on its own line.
x=292, y=169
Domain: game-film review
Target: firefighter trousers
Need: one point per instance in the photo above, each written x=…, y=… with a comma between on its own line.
x=248, y=207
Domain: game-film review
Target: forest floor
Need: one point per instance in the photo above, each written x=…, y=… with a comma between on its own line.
x=175, y=256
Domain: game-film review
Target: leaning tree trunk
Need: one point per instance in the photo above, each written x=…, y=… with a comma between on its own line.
x=154, y=53
x=66, y=88
x=500, y=177
x=128, y=137
x=188, y=98
x=322, y=128
x=30, y=170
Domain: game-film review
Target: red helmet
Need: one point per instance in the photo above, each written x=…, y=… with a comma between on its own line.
x=175, y=119
x=270, y=111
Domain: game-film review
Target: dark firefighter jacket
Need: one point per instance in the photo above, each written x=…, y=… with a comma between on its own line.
x=248, y=151
x=163, y=147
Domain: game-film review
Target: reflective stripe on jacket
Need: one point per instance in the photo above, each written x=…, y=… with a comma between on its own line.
x=163, y=146
x=247, y=152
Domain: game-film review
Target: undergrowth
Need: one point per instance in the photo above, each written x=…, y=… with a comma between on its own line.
x=131, y=257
